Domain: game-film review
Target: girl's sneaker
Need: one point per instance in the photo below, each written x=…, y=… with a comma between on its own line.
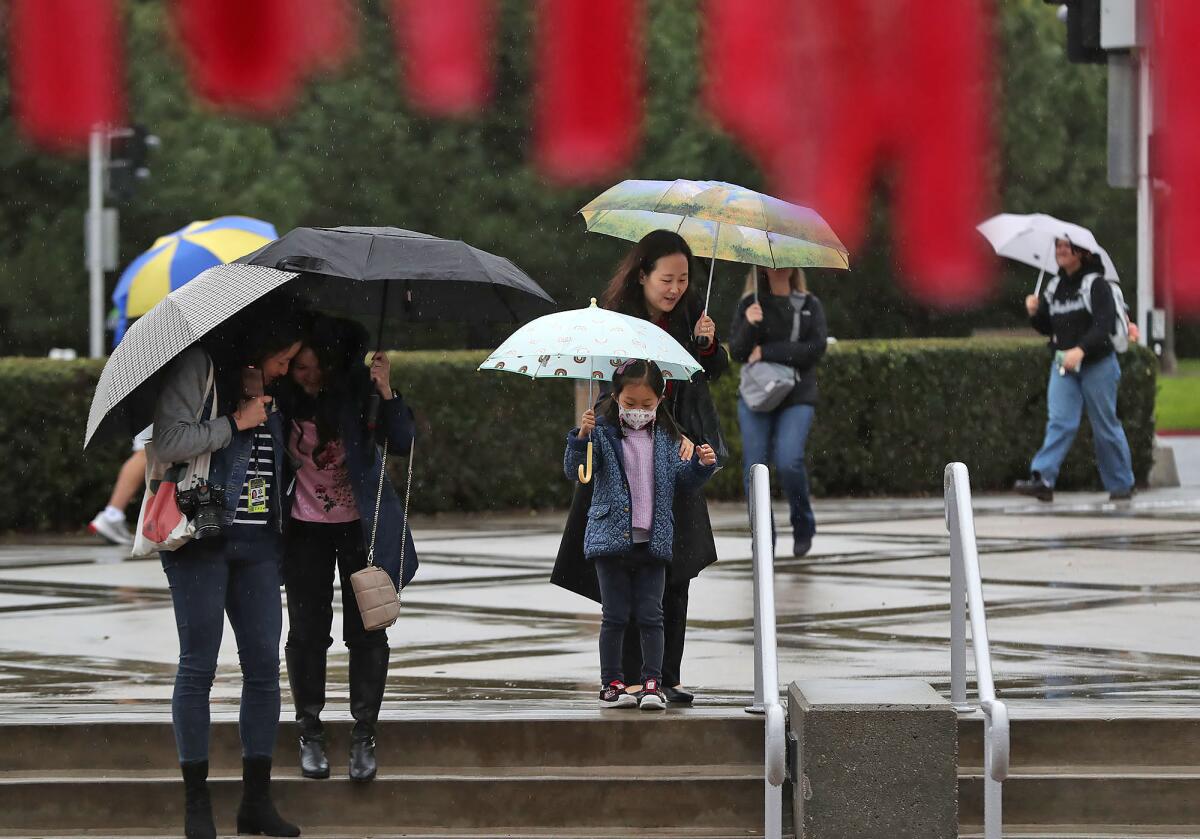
x=613, y=695
x=651, y=698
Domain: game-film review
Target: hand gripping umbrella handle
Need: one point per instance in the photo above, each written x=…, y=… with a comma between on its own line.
x=585, y=475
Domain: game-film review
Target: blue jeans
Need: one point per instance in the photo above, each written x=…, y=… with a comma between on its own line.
x=780, y=436
x=236, y=575
x=1094, y=387
x=631, y=586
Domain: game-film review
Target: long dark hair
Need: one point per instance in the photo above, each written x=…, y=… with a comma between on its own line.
x=340, y=346
x=637, y=372
x=1090, y=262
x=624, y=292
x=268, y=326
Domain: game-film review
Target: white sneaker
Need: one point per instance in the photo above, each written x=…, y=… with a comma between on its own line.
x=113, y=532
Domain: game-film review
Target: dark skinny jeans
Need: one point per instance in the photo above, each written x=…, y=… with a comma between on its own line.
x=631, y=586
x=236, y=575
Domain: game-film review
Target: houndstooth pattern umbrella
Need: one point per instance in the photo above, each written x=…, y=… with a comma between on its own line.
x=182, y=318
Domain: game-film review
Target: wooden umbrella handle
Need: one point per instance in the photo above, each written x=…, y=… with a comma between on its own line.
x=585, y=476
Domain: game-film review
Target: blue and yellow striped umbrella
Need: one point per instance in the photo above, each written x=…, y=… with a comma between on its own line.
x=178, y=257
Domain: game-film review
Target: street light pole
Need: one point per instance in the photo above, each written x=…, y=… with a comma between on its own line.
x=1145, y=198
x=95, y=229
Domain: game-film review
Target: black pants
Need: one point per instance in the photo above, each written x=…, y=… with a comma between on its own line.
x=312, y=553
x=675, y=608
x=631, y=587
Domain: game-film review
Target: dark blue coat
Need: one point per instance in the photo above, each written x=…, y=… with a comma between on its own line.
x=364, y=459
x=610, y=519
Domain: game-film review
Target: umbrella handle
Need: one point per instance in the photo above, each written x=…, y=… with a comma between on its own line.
x=585, y=477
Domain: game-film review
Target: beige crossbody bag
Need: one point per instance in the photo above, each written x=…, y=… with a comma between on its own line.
x=378, y=600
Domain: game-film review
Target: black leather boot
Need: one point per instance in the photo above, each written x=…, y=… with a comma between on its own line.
x=257, y=815
x=197, y=814
x=368, y=677
x=306, y=675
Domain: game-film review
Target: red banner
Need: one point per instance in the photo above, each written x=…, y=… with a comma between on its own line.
x=66, y=68
x=1176, y=167
x=446, y=50
x=589, y=86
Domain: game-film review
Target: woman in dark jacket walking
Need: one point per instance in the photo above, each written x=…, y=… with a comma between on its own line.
x=779, y=321
x=330, y=525
x=1085, y=373
x=653, y=282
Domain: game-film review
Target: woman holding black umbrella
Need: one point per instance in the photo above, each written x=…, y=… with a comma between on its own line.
x=332, y=521
x=654, y=282
x=235, y=571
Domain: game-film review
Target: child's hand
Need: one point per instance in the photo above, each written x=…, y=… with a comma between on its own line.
x=586, y=423
x=707, y=456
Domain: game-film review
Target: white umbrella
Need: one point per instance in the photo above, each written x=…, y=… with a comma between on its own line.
x=1030, y=239
x=589, y=344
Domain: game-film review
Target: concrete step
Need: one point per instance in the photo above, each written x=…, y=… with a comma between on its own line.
x=574, y=798
x=1073, y=796
x=1120, y=831
x=493, y=833
x=580, y=738
x=1123, y=737
x=1095, y=770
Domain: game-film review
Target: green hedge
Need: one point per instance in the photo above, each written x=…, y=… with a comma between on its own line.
x=892, y=414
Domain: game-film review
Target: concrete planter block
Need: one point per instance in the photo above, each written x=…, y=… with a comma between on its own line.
x=875, y=759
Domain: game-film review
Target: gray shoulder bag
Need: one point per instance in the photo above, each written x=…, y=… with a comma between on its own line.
x=378, y=600
x=765, y=384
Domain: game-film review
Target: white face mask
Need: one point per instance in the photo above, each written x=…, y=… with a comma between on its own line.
x=636, y=418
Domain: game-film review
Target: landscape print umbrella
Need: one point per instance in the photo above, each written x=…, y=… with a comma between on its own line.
x=719, y=220
x=176, y=258
x=1030, y=239
x=589, y=344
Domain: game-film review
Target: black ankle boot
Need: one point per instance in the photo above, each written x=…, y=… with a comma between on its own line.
x=362, y=759
x=313, y=762
x=257, y=815
x=368, y=677
x=197, y=814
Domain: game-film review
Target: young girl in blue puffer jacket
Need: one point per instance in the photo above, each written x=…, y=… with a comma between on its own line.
x=630, y=528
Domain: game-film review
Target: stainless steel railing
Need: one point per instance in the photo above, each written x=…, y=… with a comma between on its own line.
x=966, y=597
x=766, y=659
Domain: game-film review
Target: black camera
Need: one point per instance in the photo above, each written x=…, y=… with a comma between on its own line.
x=203, y=504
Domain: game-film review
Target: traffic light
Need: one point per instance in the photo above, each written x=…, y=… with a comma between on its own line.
x=129, y=151
x=1083, y=30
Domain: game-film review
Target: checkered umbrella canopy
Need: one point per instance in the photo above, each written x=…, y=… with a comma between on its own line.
x=182, y=318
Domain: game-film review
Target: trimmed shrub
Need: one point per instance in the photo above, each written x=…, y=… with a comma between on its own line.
x=892, y=414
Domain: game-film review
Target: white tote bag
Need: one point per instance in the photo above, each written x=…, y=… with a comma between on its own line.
x=169, y=477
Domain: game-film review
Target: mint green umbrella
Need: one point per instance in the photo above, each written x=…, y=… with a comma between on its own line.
x=721, y=221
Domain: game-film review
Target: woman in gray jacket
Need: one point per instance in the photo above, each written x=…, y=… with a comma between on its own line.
x=234, y=569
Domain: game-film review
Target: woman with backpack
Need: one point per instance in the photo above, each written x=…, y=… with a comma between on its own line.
x=1078, y=310
x=779, y=324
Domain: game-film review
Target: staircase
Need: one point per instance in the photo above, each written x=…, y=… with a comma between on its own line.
x=1090, y=773
x=499, y=770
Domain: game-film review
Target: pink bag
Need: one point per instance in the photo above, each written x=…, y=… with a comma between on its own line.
x=162, y=516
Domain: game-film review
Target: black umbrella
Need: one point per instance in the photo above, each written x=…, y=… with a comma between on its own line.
x=425, y=278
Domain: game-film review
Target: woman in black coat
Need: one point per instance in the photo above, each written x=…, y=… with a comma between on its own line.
x=653, y=282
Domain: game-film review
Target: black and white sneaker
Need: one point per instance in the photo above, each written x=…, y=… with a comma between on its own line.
x=613, y=695
x=651, y=698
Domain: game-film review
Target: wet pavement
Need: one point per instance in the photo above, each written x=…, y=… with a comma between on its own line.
x=1086, y=601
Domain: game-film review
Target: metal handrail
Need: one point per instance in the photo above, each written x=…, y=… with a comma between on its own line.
x=966, y=590
x=766, y=657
